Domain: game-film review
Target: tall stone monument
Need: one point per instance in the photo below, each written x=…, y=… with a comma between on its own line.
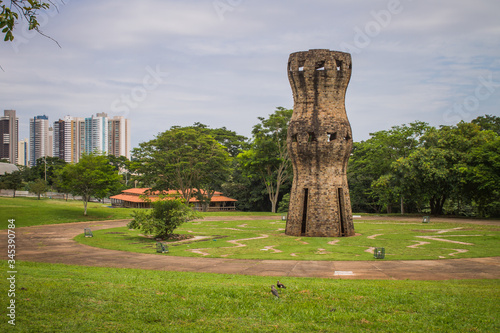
x=319, y=144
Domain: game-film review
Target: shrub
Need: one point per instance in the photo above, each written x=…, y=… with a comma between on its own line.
x=163, y=218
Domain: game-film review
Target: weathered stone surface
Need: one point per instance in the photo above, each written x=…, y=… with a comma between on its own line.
x=319, y=142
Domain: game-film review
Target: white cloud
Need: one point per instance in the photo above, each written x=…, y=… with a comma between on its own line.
x=229, y=70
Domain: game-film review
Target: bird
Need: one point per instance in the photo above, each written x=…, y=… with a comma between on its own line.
x=274, y=291
x=280, y=285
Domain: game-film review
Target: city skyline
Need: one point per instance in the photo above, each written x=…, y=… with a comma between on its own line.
x=67, y=138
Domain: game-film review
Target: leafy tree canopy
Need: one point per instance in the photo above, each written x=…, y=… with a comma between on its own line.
x=185, y=159
x=268, y=158
x=92, y=176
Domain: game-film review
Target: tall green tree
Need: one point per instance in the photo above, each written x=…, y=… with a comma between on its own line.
x=184, y=159
x=122, y=165
x=441, y=169
x=38, y=187
x=482, y=176
x=92, y=176
x=268, y=157
x=45, y=168
x=373, y=184
x=12, y=181
x=488, y=122
x=233, y=142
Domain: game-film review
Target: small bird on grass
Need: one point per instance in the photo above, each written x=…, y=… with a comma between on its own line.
x=274, y=291
x=280, y=285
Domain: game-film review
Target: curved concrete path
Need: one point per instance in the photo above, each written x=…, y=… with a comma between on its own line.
x=54, y=244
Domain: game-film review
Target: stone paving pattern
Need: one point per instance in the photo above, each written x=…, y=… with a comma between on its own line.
x=55, y=244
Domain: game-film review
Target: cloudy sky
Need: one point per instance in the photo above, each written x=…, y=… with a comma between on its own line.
x=223, y=62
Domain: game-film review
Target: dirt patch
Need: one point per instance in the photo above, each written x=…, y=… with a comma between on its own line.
x=114, y=233
x=419, y=243
x=458, y=251
x=267, y=248
x=177, y=237
x=373, y=236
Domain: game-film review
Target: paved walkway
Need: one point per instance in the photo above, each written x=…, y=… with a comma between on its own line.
x=54, y=244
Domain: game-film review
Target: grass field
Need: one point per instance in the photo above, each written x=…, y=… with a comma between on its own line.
x=265, y=239
x=61, y=298
x=31, y=211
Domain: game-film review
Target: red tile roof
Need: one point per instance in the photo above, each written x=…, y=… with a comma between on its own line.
x=132, y=195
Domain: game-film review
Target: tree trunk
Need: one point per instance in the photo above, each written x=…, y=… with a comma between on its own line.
x=85, y=201
x=273, y=205
x=402, y=205
x=437, y=205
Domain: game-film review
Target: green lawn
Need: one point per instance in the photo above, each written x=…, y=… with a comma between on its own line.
x=401, y=240
x=31, y=211
x=61, y=298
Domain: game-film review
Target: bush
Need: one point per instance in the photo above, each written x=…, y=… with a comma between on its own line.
x=163, y=218
x=284, y=203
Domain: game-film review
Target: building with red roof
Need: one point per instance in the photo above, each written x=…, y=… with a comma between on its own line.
x=134, y=198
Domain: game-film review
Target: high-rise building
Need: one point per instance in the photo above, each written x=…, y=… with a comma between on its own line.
x=59, y=139
x=23, y=152
x=50, y=147
x=9, y=136
x=75, y=136
x=96, y=134
x=67, y=140
x=39, y=138
x=119, y=137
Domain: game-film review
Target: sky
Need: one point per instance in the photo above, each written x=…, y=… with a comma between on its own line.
x=162, y=63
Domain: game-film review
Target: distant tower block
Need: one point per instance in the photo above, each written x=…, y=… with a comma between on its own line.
x=319, y=143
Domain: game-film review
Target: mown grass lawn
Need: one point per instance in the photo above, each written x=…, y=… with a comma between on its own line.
x=63, y=298
x=265, y=239
x=31, y=211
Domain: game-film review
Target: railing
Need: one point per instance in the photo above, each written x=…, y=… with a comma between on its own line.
x=215, y=209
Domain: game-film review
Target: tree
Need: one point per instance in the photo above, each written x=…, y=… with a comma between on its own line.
x=166, y=215
x=452, y=164
x=428, y=170
x=481, y=176
x=92, y=176
x=27, y=9
x=373, y=184
x=12, y=181
x=122, y=165
x=488, y=122
x=45, y=168
x=38, y=187
x=234, y=143
x=268, y=158
x=184, y=159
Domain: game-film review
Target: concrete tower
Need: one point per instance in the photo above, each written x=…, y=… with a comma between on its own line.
x=319, y=143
